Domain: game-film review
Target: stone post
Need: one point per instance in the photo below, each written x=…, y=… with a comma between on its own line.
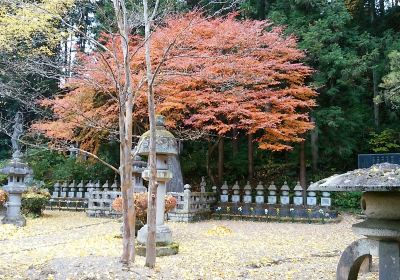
x=298, y=195
x=272, y=194
x=247, y=193
x=236, y=193
x=224, y=192
x=284, y=197
x=56, y=192
x=214, y=189
x=186, y=198
x=260, y=193
x=71, y=191
x=89, y=188
x=79, y=193
x=64, y=190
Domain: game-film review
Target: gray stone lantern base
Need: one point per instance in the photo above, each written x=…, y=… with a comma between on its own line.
x=13, y=214
x=382, y=229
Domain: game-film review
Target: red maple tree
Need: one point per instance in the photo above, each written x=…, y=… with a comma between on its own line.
x=212, y=74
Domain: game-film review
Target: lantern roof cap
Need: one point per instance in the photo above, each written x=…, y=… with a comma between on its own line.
x=16, y=166
x=382, y=177
x=165, y=141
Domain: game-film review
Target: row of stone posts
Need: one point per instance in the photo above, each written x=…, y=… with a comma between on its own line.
x=283, y=196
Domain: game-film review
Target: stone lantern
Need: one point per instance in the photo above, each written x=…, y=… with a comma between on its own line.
x=260, y=193
x=298, y=195
x=138, y=166
x=166, y=146
x=380, y=202
x=272, y=194
x=224, y=192
x=236, y=193
x=17, y=172
x=284, y=198
x=247, y=193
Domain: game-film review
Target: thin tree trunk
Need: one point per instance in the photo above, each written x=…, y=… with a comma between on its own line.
x=235, y=143
x=152, y=205
x=220, y=160
x=250, y=156
x=303, y=180
x=125, y=127
x=314, y=147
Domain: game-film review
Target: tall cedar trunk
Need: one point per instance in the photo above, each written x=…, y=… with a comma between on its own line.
x=210, y=151
x=314, y=147
x=250, y=156
x=376, y=93
x=235, y=144
x=261, y=9
x=151, y=210
x=220, y=159
x=125, y=130
x=381, y=8
x=303, y=179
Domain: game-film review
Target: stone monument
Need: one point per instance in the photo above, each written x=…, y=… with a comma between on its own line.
x=17, y=171
x=380, y=202
x=166, y=146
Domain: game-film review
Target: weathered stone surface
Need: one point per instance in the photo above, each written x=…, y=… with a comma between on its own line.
x=381, y=205
x=163, y=234
x=353, y=257
x=379, y=229
x=389, y=265
x=161, y=250
x=383, y=177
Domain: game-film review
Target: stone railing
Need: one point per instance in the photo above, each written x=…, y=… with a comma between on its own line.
x=273, y=203
x=192, y=206
x=95, y=198
x=273, y=195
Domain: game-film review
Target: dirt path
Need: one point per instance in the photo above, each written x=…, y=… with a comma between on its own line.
x=65, y=245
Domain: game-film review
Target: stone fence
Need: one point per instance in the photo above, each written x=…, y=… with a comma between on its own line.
x=96, y=199
x=273, y=195
x=192, y=206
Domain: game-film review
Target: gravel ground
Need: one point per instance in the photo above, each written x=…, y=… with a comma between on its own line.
x=65, y=245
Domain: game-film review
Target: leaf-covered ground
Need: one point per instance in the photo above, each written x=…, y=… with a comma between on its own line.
x=65, y=245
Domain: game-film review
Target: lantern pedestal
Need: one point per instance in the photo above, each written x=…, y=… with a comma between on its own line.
x=13, y=214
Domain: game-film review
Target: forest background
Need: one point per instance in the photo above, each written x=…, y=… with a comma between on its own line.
x=354, y=48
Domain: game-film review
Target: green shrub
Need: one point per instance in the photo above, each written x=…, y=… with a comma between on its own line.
x=34, y=201
x=347, y=200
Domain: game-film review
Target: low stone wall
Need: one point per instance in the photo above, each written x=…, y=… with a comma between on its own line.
x=192, y=206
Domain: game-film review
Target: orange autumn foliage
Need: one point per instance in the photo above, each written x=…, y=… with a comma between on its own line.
x=220, y=74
